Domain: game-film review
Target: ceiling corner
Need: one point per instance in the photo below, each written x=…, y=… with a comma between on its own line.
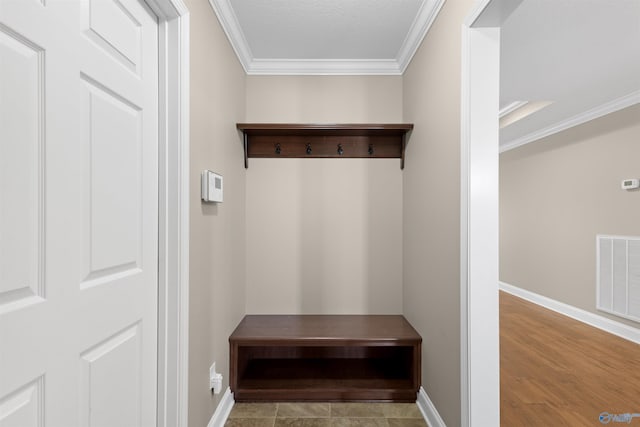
x=608, y=107
x=418, y=31
x=231, y=26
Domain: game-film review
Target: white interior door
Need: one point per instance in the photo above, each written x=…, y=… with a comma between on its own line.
x=78, y=213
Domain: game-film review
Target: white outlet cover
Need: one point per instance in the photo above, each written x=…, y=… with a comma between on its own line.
x=212, y=372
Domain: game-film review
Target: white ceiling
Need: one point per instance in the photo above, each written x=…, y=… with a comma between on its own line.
x=582, y=55
x=326, y=36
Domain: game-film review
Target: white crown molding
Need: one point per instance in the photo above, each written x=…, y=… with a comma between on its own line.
x=265, y=66
x=428, y=409
x=592, y=114
x=604, y=323
x=223, y=410
x=418, y=31
x=323, y=67
x=511, y=108
x=231, y=27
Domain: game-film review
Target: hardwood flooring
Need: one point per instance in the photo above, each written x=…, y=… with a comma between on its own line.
x=556, y=371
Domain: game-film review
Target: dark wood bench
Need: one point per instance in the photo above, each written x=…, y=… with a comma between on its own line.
x=325, y=358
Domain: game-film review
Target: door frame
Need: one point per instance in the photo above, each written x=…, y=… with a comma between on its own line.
x=479, y=213
x=173, y=212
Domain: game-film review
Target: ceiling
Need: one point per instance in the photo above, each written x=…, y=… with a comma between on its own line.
x=584, y=56
x=326, y=36
x=580, y=59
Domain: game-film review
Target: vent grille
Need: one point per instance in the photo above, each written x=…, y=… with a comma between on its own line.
x=618, y=276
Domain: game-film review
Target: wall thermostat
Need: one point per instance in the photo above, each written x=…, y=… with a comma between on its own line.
x=211, y=187
x=630, y=184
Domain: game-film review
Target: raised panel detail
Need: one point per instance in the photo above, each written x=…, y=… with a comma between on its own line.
x=21, y=171
x=24, y=407
x=113, y=221
x=110, y=386
x=109, y=24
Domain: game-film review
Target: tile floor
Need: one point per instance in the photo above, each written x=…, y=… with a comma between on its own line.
x=325, y=415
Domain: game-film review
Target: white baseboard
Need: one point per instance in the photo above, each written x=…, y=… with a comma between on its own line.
x=223, y=410
x=604, y=323
x=429, y=411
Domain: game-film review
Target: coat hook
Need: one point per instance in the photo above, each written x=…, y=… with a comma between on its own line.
x=340, y=150
x=371, y=149
x=308, y=148
x=278, y=149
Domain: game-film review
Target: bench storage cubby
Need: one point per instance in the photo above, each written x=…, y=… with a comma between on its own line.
x=325, y=358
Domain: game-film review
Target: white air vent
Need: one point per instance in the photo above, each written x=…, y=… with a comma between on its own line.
x=618, y=276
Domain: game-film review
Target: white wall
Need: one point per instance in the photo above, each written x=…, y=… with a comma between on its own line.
x=324, y=235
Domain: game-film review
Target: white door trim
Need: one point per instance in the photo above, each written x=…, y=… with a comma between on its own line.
x=479, y=328
x=479, y=224
x=173, y=210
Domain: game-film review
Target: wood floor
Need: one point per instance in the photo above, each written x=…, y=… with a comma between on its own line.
x=556, y=371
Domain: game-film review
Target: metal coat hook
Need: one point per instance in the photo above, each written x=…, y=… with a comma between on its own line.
x=308, y=148
x=371, y=149
x=278, y=149
x=340, y=150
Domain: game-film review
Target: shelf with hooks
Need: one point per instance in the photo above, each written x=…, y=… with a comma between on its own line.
x=272, y=140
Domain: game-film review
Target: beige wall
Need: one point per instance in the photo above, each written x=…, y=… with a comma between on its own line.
x=217, y=237
x=324, y=99
x=556, y=194
x=431, y=206
x=324, y=235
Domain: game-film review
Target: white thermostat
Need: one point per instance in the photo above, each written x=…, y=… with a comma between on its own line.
x=211, y=187
x=630, y=184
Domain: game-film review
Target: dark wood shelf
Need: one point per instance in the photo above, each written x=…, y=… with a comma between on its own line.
x=270, y=140
x=333, y=358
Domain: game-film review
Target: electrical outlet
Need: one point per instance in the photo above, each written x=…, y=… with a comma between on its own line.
x=215, y=379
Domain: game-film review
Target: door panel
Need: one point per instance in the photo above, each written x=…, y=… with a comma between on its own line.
x=113, y=130
x=111, y=379
x=78, y=213
x=23, y=408
x=113, y=26
x=21, y=126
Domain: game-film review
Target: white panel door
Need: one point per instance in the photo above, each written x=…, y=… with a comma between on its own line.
x=78, y=213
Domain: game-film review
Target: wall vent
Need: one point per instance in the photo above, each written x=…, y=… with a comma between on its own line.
x=618, y=276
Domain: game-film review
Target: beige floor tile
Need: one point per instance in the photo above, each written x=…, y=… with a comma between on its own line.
x=359, y=422
x=303, y=422
x=304, y=410
x=324, y=414
x=253, y=410
x=357, y=410
x=401, y=410
x=406, y=422
x=250, y=422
